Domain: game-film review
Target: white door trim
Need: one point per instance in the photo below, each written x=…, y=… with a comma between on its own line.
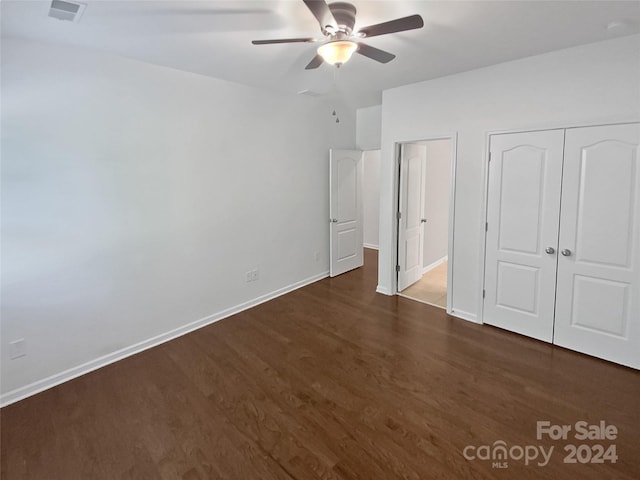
x=453, y=136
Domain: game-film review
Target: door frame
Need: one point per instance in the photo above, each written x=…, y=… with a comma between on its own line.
x=453, y=138
x=485, y=192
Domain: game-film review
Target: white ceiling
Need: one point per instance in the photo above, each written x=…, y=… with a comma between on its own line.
x=214, y=37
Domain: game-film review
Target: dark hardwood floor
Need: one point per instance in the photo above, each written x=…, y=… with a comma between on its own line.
x=332, y=381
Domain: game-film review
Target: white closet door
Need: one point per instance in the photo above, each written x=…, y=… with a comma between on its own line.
x=525, y=174
x=598, y=294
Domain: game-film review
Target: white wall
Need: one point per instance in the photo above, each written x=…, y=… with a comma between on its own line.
x=134, y=198
x=368, y=136
x=436, y=200
x=368, y=128
x=596, y=83
x=371, y=197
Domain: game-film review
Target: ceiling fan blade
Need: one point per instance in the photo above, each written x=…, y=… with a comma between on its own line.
x=375, y=53
x=315, y=63
x=321, y=11
x=399, y=25
x=283, y=40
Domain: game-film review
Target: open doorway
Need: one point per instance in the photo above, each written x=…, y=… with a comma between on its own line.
x=371, y=200
x=371, y=208
x=424, y=193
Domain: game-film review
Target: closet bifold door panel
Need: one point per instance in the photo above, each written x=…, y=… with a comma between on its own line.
x=598, y=282
x=523, y=205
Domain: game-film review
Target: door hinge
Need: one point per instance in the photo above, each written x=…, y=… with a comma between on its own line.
x=489, y=156
x=397, y=268
x=398, y=215
x=486, y=226
x=484, y=292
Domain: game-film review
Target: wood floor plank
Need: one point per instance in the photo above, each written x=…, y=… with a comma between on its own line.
x=332, y=382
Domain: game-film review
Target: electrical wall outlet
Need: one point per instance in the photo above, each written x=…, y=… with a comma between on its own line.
x=17, y=348
x=252, y=275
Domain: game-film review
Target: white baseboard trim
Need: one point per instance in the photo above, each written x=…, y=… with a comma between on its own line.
x=371, y=246
x=470, y=317
x=383, y=290
x=435, y=264
x=74, y=372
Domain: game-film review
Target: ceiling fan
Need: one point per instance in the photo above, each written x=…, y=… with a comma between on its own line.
x=340, y=41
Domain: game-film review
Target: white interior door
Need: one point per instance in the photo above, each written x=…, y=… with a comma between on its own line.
x=525, y=174
x=346, y=241
x=411, y=223
x=598, y=295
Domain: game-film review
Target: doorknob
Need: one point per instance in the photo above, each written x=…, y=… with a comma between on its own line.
x=566, y=252
x=334, y=220
x=550, y=250
x=423, y=220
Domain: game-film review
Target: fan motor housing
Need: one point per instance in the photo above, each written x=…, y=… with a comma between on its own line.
x=345, y=15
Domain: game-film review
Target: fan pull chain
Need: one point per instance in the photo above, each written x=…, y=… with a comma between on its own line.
x=335, y=86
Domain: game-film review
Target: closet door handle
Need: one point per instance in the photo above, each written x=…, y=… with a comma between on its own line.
x=423, y=220
x=550, y=250
x=566, y=252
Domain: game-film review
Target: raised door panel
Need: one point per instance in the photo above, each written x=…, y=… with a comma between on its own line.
x=521, y=190
x=347, y=208
x=347, y=177
x=606, y=204
x=598, y=295
x=525, y=174
x=518, y=287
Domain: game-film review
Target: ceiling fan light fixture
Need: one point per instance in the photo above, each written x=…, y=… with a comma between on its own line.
x=337, y=52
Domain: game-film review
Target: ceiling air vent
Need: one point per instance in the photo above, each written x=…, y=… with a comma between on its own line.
x=63, y=10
